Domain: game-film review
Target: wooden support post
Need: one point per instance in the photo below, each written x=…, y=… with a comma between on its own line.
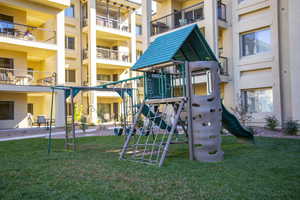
x=189, y=109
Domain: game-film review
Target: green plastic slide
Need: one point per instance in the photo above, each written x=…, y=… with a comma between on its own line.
x=232, y=124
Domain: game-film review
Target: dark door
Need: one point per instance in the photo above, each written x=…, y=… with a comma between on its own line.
x=116, y=111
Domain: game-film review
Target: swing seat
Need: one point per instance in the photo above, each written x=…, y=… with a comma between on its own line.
x=118, y=131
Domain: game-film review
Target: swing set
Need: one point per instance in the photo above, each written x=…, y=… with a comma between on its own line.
x=124, y=88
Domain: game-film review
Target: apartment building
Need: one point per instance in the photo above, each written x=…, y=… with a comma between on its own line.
x=32, y=58
x=101, y=46
x=70, y=43
x=255, y=41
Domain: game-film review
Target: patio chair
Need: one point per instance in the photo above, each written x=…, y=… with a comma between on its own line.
x=42, y=120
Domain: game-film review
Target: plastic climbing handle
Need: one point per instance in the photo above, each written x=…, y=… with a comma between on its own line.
x=233, y=125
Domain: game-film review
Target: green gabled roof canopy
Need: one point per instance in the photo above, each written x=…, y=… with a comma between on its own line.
x=186, y=44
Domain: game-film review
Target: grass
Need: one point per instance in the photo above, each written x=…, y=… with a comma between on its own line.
x=268, y=170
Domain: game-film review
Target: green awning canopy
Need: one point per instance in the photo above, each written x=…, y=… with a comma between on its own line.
x=186, y=44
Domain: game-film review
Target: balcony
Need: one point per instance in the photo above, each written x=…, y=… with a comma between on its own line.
x=26, y=77
x=26, y=33
x=112, y=23
x=177, y=19
x=109, y=54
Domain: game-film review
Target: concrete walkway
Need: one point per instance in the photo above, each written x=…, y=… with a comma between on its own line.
x=42, y=135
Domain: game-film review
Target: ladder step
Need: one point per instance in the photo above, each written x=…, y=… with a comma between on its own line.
x=148, y=145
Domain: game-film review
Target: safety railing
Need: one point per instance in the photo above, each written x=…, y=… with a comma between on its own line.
x=177, y=19
x=26, y=77
x=224, y=65
x=222, y=11
x=25, y=32
x=112, y=23
x=110, y=54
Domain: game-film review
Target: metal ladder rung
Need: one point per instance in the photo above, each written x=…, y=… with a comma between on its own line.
x=148, y=145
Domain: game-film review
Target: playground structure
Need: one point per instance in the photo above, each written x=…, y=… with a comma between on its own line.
x=172, y=65
x=173, y=112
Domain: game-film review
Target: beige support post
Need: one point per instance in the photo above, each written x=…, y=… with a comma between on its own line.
x=146, y=21
x=60, y=53
x=133, y=36
x=211, y=25
x=92, y=52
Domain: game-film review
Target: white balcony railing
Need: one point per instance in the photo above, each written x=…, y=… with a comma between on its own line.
x=110, y=54
x=112, y=23
x=25, y=32
x=26, y=77
x=177, y=19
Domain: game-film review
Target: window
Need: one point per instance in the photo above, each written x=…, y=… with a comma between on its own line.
x=7, y=63
x=139, y=53
x=115, y=77
x=6, y=23
x=30, y=71
x=138, y=29
x=70, y=12
x=258, y=100
x=104, y=111
x=69, y=42
x=103, y=77
x=70, y=75
x=7, y=110
x=255, y=42
x=30, y=108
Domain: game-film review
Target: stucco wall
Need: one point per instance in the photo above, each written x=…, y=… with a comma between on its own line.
x=20, y=110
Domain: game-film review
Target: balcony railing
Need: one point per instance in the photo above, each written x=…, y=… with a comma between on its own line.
x=101, y=82
x=26, y=77
x=112, y=23
x=222, y=13
x=224, y=65
x=25, y=32
x=110, y=54
x=177, y=19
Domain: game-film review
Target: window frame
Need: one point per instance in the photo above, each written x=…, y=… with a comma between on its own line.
x=241, y=44
x=245, y=100
x=67, y=75
x=30, y=106
x=10, y=112
x=138, y=27
x=72, y=6
x=67, y=46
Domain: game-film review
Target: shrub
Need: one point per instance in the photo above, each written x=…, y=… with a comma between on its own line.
x=271, y=122
x=291, y=127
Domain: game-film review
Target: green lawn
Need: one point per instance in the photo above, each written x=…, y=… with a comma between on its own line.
x=268, y=170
